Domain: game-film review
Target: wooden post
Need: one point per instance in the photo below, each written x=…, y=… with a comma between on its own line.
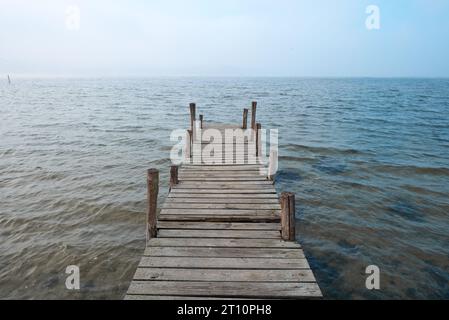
x=273, y=165
x=245, y=119
x=253, y=115
x=288, y=216
x=201, y=121
x=188, y=141
x=258, y=136
x=152, y=192
x=173, y=176
x=192, y=116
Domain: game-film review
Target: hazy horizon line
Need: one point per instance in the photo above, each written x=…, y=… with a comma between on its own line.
x=130, y=76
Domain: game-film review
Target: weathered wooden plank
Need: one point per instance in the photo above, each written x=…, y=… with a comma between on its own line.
x=223, y=263
x=231, y=243
x=227, y=289
x=222, y=191
x=162, y=297
x=209, y=173
x=217, y=169
x=246, y=206
x=221, y=218
x=235, y=234
x=209, y=155
x=224, y=166
x=219, y=125
x=227, y=168
x=220, y=179
x=278, y=253
x=206, y=212
x=219, y=162
x=218, y=225
x=241, y=275
x=222, y=200
x=222, y=174
x=218, y=195
x=225, y=173
x=224, y=184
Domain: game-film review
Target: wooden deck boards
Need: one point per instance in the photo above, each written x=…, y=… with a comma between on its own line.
x=219, y=237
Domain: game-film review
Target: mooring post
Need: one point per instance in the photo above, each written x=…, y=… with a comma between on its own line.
x=187, y=149
x=152, y=192
x=245, y=119
x=201, y=121
x=273, y=165
x=288, y=216
x=253, y=115
x=192, y=116
x=258, y=137
x=173, y=176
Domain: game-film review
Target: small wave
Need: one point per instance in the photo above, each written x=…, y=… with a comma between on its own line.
x=406, y=210
x=296, y=159
x=407, y=170
x=322, y=150
x=287, y=175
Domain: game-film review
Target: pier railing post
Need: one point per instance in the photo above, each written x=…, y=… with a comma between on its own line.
x=288, y=216
x=245, y=119
x=152, y=192
x=188, y=152
x=253, y=115
x=173, y=176
x=273, y=165
x=258, y=138
x=201, y=121
x=192, y=116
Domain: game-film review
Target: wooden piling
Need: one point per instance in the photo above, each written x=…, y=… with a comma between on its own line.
x=273, y=165
x=253, y=115
x=173, y=176
x=192, y=116
x=187, y=151
x=152, y=192
x=258, y=138
x=245, y=119
x=288, y=216
x=201, y=121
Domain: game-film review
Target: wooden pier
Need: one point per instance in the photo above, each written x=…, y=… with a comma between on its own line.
x=222, y=232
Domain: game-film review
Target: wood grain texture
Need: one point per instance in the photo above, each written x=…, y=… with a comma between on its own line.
x=226, y=263
x=245, y=206
x=223, y=243
x=241, y=275
x=227, y=252
x=227, y=289
x=234, y=234
x=221, y=196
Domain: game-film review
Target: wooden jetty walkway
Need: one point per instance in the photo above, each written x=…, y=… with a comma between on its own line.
x=222, y=232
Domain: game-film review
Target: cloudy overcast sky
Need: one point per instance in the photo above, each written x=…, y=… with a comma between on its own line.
x=224, y=38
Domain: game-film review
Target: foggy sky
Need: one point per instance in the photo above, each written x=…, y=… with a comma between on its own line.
x=225, y=38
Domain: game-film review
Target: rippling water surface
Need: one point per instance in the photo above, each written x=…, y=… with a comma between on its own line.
x=368, y=160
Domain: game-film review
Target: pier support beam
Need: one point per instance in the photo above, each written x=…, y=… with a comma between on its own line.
x=245, y=119
x=152, y=192
x=173, y=176
x=201, y=121
x=288, y=216
x=253, y=115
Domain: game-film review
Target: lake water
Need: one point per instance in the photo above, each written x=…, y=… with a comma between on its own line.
x=368, y=160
